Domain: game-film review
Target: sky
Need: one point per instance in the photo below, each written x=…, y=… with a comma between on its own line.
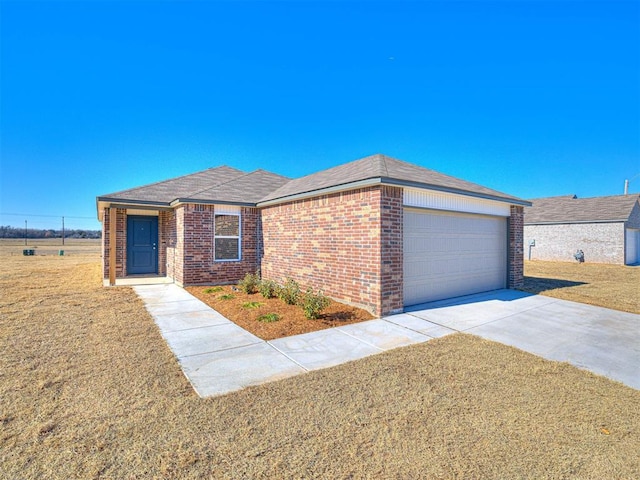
x=531, y=98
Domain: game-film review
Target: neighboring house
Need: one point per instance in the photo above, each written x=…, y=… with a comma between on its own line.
x=606, y=229
x=377, y=233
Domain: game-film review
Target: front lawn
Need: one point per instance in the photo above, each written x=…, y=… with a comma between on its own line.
x=89, y=389
x=609, y=286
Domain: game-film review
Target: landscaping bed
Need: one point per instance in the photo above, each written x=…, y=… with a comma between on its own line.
x=245, y=310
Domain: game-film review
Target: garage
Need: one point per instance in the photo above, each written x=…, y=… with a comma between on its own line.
x=449, y=254
x=632, y=246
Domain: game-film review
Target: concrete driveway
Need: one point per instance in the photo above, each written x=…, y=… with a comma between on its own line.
x=604, y=341
x=218, y=357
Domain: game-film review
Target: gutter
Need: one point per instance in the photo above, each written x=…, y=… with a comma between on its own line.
x=389, y=182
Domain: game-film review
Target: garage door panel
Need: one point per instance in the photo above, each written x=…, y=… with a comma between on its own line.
x=447, y=255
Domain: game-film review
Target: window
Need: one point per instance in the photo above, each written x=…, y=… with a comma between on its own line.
x=227, y=237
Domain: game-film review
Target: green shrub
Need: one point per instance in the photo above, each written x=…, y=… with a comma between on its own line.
x=289, y=292
x=213, y=290
x=249, y=284
x=269, y=317
x=227, y=296
x=313, y=304
x=251, y=305
x=268, y=288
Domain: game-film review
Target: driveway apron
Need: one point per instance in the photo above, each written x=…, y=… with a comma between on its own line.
x=604, y=341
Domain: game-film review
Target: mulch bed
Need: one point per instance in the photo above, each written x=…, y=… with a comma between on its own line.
x=292, y=320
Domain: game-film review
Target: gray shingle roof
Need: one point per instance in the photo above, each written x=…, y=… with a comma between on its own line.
x=387, y=170
x=229, y=185
x=248, y=188
x=223, y=184
x=570, y=209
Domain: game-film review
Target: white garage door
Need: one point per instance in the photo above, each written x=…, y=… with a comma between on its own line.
x=449, y=254
x=632, y=254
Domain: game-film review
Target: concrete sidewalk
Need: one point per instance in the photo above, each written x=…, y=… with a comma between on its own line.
x=219, y=357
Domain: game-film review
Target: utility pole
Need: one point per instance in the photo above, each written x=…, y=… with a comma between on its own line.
x=62, y=230
x=25, y=233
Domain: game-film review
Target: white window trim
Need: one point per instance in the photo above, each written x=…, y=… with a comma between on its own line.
x=239, y=237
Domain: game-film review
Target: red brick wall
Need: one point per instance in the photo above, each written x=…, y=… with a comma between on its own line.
x=191, y=259
x=121, y=242
x=338, y=243
x=392, y=250
x=516, y=248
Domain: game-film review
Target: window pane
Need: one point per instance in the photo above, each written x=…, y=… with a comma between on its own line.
x=227, y=249
x=227, y=225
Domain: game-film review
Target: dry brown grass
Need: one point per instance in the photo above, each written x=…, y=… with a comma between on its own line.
x=88, y=389
x=609, y=286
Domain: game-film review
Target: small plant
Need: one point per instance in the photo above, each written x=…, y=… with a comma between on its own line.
x=227, y=296
x=249, y=284
x=269, y=317
x=289, y=292
x=268, y=288
x=213, y=290
x=313, y=303
x=251, y=305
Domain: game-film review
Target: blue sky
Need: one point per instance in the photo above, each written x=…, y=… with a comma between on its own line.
x=534, y=98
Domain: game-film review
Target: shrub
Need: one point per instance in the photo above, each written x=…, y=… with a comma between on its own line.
x=249, y=284
x=268, y=288
x=213, y=290
x=269, y=317
x=289, y=292
x=251, y=305
x=313, y=304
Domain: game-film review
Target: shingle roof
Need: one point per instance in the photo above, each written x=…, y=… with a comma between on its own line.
x=224, y=184
x=387, y=170
x=248, y=188
x=570, y=209
x=229, y=185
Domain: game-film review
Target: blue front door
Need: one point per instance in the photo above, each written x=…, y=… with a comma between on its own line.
x=142, y=245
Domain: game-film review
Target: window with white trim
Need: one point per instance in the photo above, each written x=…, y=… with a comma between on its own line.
x=226, y=237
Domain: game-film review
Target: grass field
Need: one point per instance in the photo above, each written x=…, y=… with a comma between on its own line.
x=609, y=286
x=88, y=389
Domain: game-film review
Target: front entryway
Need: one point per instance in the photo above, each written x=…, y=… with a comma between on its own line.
x=142, y=245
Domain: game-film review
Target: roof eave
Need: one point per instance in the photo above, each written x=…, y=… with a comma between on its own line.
x=321, y=191
x=565, y=222
x=388, y=181
x=182, y=201
x=457, y=191
x=107, y=202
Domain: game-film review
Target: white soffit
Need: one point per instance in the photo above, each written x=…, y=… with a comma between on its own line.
x=140, y=211
x=414, y=197
x=227, y=209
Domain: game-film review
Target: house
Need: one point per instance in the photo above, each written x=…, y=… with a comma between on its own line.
x=606, y=229
x=377, y=233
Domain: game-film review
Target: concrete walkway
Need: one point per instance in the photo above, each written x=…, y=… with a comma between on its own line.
x=219, y=357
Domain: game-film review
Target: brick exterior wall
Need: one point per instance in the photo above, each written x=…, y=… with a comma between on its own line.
x=600, y=242
x=515, y=261
x=121, y=242
x=392, y=247
x=348, y=244
x=190, y=251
